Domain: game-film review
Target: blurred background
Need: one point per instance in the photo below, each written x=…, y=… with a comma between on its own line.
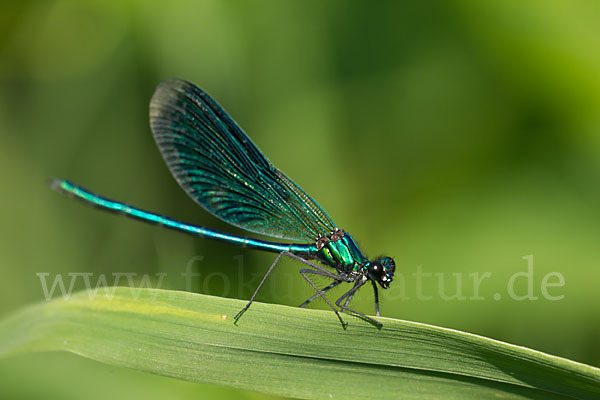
x=458, y=137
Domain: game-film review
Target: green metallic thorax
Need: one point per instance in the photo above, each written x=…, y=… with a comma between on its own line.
x=340, y=251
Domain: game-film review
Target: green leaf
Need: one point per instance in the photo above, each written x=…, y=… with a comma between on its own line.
x=289, y=351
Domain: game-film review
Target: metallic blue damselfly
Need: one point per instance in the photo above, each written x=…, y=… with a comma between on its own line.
x=219, y=167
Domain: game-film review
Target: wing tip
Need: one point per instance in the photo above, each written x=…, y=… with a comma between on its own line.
x=169, y=93
x=174, y=85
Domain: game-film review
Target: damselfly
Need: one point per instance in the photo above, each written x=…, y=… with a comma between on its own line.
x=219, y=167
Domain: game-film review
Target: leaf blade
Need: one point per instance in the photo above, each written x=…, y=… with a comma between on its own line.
x=287, y=351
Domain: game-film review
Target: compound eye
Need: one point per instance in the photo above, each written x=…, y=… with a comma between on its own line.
x=376, y=269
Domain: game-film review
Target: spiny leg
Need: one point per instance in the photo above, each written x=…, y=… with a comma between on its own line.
x=348, y=295
x=349, y=298
x=295, y=257
x=323, y=272
x=376, y=293
x=351, y=293
x=328, y=274
x=324, y=290
x=239, y=314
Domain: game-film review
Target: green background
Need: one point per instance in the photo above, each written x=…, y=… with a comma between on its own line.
x=457, y=137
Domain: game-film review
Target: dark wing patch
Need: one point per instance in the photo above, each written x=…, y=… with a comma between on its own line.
x=219, y=167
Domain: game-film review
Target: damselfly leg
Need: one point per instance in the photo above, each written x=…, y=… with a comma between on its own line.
x=318, y=270
x=324, y=290
x=243, y=310
x=327, y=274
x=376, y=294
x=351, y=293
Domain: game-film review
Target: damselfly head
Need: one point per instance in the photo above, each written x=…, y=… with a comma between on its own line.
x=382, y=271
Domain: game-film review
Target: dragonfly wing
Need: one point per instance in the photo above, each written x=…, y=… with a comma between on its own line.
x=219, y=167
